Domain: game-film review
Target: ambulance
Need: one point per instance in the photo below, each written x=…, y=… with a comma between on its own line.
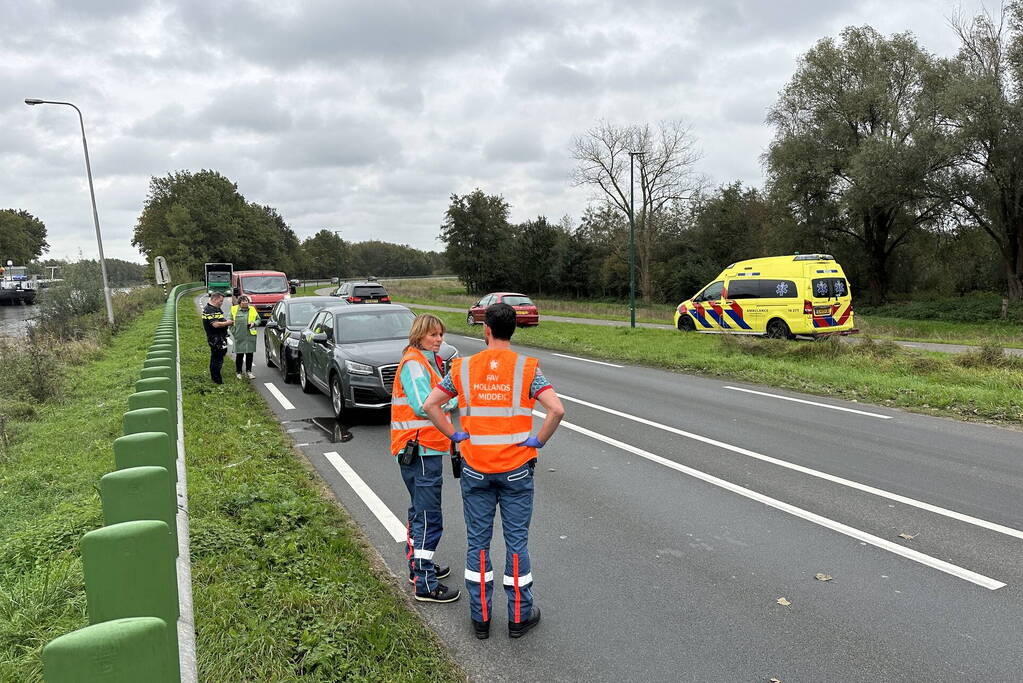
x=783, y=297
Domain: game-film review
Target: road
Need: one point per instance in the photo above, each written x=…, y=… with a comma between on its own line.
x=674, y=512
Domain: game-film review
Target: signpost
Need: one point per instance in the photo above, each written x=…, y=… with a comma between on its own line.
x=163, y=276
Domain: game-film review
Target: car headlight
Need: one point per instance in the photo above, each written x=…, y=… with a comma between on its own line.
x=358, y=368
x=287, y=296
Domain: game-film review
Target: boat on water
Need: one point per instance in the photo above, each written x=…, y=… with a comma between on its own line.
x=17, y=286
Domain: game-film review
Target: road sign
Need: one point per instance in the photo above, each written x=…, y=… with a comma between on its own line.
x=162, y=273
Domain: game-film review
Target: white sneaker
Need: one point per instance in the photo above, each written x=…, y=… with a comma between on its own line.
x=238, y=375
x=251, y=376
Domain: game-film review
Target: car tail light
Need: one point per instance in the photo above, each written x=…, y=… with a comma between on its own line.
x=807, y=307
x=354, y=299
x=385, y=298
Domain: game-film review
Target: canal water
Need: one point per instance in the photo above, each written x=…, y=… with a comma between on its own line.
x=14, y=320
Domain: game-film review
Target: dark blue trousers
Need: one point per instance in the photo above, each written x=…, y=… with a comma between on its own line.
x=482, y=494
x=423, y=479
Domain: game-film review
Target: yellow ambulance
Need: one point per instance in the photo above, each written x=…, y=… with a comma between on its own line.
x=778, y=296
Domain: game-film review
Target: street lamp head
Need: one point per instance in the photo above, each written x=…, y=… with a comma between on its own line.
x=32, y=100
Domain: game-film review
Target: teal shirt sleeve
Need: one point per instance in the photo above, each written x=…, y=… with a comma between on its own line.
x=415, y=380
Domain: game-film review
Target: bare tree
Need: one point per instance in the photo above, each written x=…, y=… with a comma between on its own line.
x=665, y=173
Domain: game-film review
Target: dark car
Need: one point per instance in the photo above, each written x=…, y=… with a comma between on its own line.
x=351, y=353
x=287, y=320
x=362, y=293
x=526, y=313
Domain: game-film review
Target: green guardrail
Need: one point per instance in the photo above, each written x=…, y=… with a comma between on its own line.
x=130, y=564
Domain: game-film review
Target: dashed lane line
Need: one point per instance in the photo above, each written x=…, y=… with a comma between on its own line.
x=281, y=398
x=391, y=523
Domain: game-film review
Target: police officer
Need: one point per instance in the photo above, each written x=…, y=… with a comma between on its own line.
x=419, y=448
x=496, y=390
x=216, y=325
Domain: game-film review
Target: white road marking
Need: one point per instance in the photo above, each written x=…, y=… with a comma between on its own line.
x=952, y=514
x=812, y=403
x=394, y=527
x=598, y=362
x=462, y=336
x=862, y=536
x=281, y=398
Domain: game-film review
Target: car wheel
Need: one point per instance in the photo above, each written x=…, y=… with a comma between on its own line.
x=337, y=399
x=777, y=329
x=287, y=373
x=470, y=321
x=686, y=324
x=303, y=379
x=266, y=355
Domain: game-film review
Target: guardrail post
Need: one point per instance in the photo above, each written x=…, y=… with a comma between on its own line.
x=150, y=420
x=145, y=492
x=118, y=651
x=157, y=384
x=146, y=448
x=129, y=571
x=158, y=371
x=154, y=398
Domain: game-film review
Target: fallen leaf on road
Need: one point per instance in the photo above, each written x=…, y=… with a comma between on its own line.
x=783, y=601
x=775, y=680
x=908, y=537
x=823, y=577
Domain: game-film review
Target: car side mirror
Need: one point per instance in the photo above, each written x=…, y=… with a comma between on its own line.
x=319, y=338
x=237, y=291
x=272, y=325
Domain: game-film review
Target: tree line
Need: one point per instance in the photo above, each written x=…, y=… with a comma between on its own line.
x=905, y=166
x=192, y=218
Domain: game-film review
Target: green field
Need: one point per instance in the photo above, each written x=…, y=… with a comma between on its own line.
x=977, y=386
x=285, y=587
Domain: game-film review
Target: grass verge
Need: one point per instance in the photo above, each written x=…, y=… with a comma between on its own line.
x=283, y=586
x=984, y=385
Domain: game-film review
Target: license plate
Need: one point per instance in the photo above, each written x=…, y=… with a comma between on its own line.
x=822, y=310
x=371, y=301
x=521, y=312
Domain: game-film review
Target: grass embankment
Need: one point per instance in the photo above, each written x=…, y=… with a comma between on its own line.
x=283, y=589
x=985, y=385
x=282, y=585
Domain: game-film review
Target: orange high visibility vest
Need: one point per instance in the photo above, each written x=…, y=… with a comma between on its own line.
x=404, y=422
x=495, y=407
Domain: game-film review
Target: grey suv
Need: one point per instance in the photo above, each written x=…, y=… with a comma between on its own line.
x=351, y=353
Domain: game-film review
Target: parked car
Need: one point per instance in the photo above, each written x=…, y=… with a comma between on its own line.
x=263, y=287
x=284, y=328
x=363, y=293
x=778, y=296
x=351, y=353
x=525, y=310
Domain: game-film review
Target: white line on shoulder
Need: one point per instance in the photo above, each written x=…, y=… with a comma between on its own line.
x=812, y=403
x=587, y=360
x=391, y=523
x=281, y=398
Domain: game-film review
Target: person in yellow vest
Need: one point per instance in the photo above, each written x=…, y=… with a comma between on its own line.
x=496, y=391
x=243, y=333
x=419, y=448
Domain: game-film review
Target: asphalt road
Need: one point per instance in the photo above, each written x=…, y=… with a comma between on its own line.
x=674, y=512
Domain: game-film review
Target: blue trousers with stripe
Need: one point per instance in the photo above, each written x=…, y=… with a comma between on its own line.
x=423, y=479
x=482, y=494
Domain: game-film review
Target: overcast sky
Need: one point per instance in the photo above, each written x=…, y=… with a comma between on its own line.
x=366, y=116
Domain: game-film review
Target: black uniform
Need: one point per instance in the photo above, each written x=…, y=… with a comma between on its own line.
x=217, y=339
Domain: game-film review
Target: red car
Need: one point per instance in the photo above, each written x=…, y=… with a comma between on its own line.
x=525, y=309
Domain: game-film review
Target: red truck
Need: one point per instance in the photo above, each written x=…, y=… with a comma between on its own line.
x=263, y=287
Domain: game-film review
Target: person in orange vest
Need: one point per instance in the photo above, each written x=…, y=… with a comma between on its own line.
x=419, y=447
x=496, y=391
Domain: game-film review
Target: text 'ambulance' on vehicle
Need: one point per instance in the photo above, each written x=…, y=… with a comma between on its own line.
x=777, y=296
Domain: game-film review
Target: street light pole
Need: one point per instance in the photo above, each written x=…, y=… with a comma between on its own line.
x=632, y=240
x=95, y=213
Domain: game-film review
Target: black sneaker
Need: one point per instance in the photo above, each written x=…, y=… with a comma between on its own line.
x=520, y=629
x=440, y=571
x=439, y=594
x=481, y=629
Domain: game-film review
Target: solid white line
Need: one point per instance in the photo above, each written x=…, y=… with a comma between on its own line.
x=475, y=339
x=952, y=514
x=812, y=403
x=598, y=362
x=394, y=527
x=916, y=556
x=281, y=398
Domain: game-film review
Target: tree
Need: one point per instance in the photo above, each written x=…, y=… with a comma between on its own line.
x=665, y=174
x=22, y=237
x=478, y=240
x=385, y=259
x=857, y=142
x=985, y=105
x=540, y=249
x=325, y=254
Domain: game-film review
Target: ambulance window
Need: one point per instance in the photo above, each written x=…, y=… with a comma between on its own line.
x=712, y=292
x=777, y=289
x=827, y=287
x=744, y=288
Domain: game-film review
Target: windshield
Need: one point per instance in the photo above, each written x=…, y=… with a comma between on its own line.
x=517, y=301
x=264, y=284
x=299, y=314
x=218, y=276
x=372, y=326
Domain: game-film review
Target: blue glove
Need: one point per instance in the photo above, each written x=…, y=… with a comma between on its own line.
x=531, y=442
x=459, y=436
